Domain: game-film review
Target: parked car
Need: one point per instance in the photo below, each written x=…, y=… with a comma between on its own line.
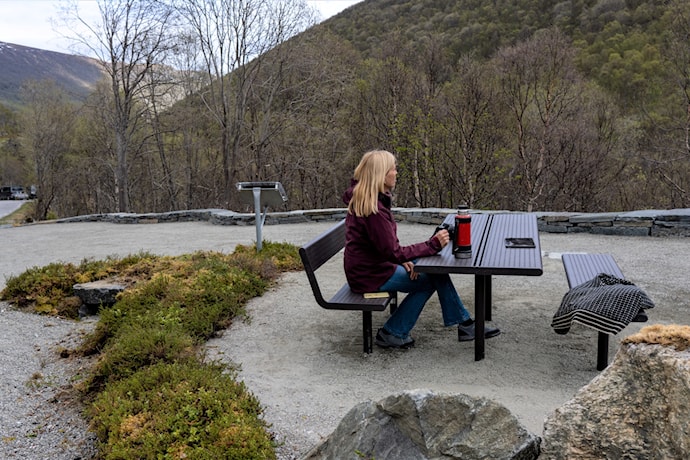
x=13, y=192
x=18, y=193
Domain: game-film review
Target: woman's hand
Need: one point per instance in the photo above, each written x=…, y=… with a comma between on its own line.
x=443, y=237
x=409, y=267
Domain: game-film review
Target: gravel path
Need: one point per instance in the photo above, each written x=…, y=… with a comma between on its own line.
x=304, y=363
x=39, y=417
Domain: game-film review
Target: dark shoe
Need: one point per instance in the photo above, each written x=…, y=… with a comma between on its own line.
x=386, y=340
x=466, y=333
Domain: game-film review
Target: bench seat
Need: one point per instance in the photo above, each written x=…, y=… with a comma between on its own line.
x=580, y=268
x=319, y=251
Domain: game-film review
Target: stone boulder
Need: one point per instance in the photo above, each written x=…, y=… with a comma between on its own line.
x=421, y=424
x=96, y=294
x=638, y=407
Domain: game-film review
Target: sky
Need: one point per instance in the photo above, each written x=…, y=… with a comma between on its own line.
x=27, y=22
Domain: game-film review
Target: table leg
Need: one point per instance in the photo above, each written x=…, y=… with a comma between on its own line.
x=487, y=297
x=480, y=298
x=602, y=351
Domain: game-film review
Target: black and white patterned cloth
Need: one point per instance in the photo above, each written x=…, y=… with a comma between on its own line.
x=605, y=303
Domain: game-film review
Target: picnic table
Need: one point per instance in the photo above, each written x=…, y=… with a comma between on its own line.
x=491, y=255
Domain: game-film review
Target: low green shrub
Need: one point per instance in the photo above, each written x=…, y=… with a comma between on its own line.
x=42, y=288
x=282, y=256
x=201, y=292
x=180, y=410
x=45, y=290
x=136, y=347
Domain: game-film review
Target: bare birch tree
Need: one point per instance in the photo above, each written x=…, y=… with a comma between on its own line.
x=130, y=39
x=47, y=121
x=471, y=140
x=234, y=37
x=537, y=79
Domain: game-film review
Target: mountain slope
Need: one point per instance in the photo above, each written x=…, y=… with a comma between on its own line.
x=77, y=75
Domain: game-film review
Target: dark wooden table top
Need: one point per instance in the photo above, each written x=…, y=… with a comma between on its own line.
x=490, y=256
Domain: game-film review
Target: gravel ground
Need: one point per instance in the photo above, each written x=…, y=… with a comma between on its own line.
x=304, y=363
x=39, y=415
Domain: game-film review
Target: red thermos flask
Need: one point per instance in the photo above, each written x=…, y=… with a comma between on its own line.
x=462, y=241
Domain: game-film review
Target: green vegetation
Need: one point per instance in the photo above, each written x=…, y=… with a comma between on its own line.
x=151, y=394
x=180, y=410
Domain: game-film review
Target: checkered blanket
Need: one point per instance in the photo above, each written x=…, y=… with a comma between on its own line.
x=605, y=303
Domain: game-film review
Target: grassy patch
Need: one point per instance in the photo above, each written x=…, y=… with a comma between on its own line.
x=48, y=289
x=180, y=410
x=150, y=393
x=21, y=216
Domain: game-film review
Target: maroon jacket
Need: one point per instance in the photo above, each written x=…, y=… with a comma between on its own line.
x=372, y=249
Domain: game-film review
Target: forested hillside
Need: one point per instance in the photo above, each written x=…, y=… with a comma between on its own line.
x=618, y=42
x=521, y=105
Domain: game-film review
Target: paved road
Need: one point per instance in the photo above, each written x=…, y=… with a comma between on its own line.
x=7, y=207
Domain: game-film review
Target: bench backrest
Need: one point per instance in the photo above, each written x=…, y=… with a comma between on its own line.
x=318, y=251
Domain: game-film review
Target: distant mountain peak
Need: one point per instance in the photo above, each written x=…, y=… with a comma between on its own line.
x=77, y=75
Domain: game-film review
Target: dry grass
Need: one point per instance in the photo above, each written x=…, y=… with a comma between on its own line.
x=673, y=335
x=20, y=216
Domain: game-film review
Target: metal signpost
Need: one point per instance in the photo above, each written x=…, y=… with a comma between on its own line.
x=262, y=195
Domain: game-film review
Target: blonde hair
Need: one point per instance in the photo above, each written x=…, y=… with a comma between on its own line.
x=370, y=175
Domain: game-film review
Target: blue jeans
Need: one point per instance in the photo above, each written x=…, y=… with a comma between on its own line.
x=419, y=291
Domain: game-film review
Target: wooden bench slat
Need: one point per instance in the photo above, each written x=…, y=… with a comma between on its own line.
x=580, y=268
x=345, y=299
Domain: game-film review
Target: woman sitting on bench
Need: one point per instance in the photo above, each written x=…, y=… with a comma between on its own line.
x=375, y=261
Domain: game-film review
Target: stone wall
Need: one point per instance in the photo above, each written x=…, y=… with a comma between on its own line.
x=673, y=222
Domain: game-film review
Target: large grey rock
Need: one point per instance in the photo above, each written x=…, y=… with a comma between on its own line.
x=96, y=294
x=639, y=407
x=421, y=424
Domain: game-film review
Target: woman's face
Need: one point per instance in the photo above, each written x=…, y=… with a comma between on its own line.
x=389, y=181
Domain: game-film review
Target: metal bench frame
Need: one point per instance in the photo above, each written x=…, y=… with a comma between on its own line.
x=319, y=251
x=580, y=268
